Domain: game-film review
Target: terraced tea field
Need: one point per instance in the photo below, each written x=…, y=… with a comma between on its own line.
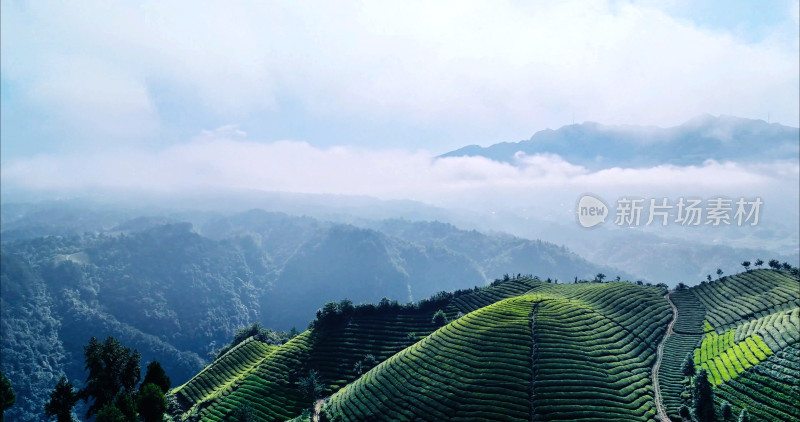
x=596, y=346
x=732, y=328
x=686, y=335
x=234, y=380
x=724, y=359
x=477, y=366
x=514, y=287
x=267, y=387
x=524, y=349
x=725, y=356
x=769, y=390
x=223, y=373
x=592, y=344
x=747, y=296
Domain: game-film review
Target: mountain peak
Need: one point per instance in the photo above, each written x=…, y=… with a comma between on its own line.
x=704, y=137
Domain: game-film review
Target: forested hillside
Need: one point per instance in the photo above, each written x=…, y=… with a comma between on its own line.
x=177, y=291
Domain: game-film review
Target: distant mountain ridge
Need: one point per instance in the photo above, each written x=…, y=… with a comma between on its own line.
x=597, y=146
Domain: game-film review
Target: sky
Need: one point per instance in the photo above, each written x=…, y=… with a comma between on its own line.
x=413, y=75
x=356, y=97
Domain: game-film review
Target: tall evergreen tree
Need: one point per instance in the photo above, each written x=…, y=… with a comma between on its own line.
x=111, y=367
x=703, y=398
x=155, y=374
x=62, y=400
x=7, y=395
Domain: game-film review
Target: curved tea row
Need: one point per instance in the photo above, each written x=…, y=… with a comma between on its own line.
x=479, y=364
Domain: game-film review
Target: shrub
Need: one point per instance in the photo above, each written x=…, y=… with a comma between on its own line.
x=688, y=366
x=439, y=318
x=726, y=411
x=243, y=413
x=685, y=413
x=151, y=403
x=369, y=362
x=124, y=402
x=744, y=416
x=109, y=413
x=310, y=386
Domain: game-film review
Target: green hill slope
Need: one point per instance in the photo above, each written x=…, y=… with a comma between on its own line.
x=686, y=336
x=525, y=349
x=477, y=366
x=752, y=352
x=333, y=350
x=558, y=352
x=271, y=385
x=744, y=330
x=225, y=371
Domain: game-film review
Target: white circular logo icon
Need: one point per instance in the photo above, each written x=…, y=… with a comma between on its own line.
x=591, y=211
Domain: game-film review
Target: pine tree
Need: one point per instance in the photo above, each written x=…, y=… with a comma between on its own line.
x=703, y=397
x=111, y=367
x=156, y=375
x=7, y=395
x=62, y=400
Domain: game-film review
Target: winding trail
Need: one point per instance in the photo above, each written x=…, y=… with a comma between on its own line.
x=659, y=357
x=534, y=349
x=317, y=410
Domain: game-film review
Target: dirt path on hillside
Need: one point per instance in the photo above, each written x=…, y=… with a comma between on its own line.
x=317, y=410
x=534, y=348
x=659, y=357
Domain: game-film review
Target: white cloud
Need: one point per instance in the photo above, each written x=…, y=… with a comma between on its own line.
x=216, y=160
x=461, y=64
x=92, y=95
